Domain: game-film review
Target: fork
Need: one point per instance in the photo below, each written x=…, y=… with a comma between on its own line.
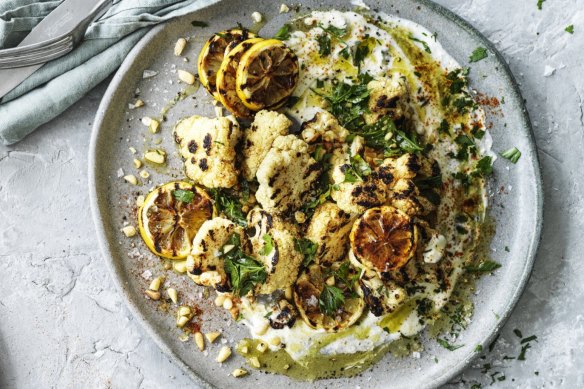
x=53, y=48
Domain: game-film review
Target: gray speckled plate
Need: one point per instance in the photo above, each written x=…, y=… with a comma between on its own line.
x=515, y=192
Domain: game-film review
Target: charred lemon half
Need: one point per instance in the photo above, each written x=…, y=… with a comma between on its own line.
x=171, y=216
x=328, y=300
x=213, y=53
x=384, y=239
x=226, y=80
x=267, y=75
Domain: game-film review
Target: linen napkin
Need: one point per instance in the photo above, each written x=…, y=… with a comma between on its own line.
x=60, y=83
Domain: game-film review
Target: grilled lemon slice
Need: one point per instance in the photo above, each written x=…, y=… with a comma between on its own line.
x=171, y=216
x=212, y=54
x=384, y=239
x=267, y=75
x=226, y=83
x=314, y=296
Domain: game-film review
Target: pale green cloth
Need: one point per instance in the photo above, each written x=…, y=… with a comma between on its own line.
x=60, y=83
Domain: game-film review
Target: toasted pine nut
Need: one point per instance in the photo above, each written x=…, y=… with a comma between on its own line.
x=330, y=281
x=200, y=341
x=219, y=300
x=284, y=8
x=139, y=103
x=129, y=231
x=239, y=373
x=144, y=174
x=140, y=201
x=179, y=46
x=155, y=284
x=155, y=156
x=131, y=179
x=154, y=126
x=275, y=341
x=255, y=362
x=137, y=163
x=228, y=303
x=262, y=347
x=244, y=350
x=212, y=336
x=132, y=150
x=153, y=295
x=186, y=77
x=173, y=294
x=262, y=328
x=184, y=311
x=257, y=17
x=180, y=266
x=182, y=321
x=224, y=353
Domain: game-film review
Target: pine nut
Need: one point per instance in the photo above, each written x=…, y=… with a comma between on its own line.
x=154, y=126
x=137, y=163
x=173, y=294
x=228, y=303
x=184, y=311
x=139, y=103
x=140, y=201
x=239, y=373
x=257, y=17
x=219, y=300
x=275, y=341
x=284, y=9
x=244, y=350
x=180, y=266
x=262, y=347
x=153, y=295
x=131, y=179
x=255, y=362
x=182, y=321
x=212, y=336
x=186, y=77
x=129, y=231
x=330, y=281
x=200, y=341
x=262, y=328
x=155, y=284
x=179, y=46
x=224, y=353
x=132, y=150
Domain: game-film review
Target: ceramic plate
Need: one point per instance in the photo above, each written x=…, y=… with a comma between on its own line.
x=515, y=192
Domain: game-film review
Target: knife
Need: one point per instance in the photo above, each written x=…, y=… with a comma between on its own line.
x=63, y=19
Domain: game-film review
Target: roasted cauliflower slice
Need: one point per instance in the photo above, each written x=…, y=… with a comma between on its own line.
x=387, y=97
x=286, y=175
x=381, y=297
x=208, y=149
x=207, y=265
x=329, y=228
x=258, y=139
x=272, y=241
x=323, y=127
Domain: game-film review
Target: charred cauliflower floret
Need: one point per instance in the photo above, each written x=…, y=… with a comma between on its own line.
x=365, y=192
x=329, y=228
x=286, y=175
x=207, y=267
x=208, y=149
x=283, y=315
x=272, y=241
x=258, y=139
x=386, y=98
x=381, y=298
x=323, y=127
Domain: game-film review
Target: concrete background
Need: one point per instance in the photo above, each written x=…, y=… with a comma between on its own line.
x=62, y=324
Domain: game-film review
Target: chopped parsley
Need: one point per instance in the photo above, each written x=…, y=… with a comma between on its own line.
x=518, y=333
x=478, y=54
x=229, y=204
x=268, y=245
x=540, y=4
x=324, y=44
x=307, y=248
x=528, y=339
x=361, y=52
x=484, y=267
x=512, y=155
x=185, y=196
x=283, y=33
x=484, y=167
x=424, y=44
x=448, y=346
x=243, y=270
x=357, y=170
x=570, y=29
x=478, y=348
x=330, y=300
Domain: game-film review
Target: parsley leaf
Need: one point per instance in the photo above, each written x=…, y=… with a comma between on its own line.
x=570, y=29
x=540, y=4
x=243, y=270
x=357, y=169
x=484, y=167
x=424, y=44
x=229, y=205
x=330, y=300
x=450, y=347
x=307, y=248
x=478, y=54
x=360, y=53
x=186, y=196
x=512, y=155
x=283, y=33
x=324, y=44
x=268, y=245
x=483, y=267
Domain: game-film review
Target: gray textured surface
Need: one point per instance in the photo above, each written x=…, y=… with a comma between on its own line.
x=59, y=309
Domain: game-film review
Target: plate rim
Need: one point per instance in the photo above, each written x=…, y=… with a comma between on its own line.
x=118, y=281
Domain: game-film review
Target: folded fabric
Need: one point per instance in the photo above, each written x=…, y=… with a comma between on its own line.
x=60, y=83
